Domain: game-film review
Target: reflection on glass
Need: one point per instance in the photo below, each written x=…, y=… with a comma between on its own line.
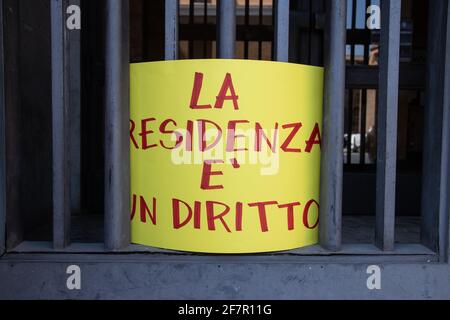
x=198, y=29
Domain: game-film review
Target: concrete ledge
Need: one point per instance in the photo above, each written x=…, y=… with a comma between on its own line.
x=159, y=276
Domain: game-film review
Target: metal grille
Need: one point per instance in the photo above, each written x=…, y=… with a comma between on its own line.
x=338, y=76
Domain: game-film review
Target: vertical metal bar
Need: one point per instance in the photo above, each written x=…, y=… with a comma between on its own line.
x=354, y=13
x=226, y=14
x=333, y=126
x=60, y=126
x=171, y=27
x=387, y=124
x=260, y=22
x=282, y=30
x=205, y=24
x=117, y=113
x=444, y=197
x=431, y=175
x=2, y=141
x=246, y=24
x=11, y=20
x=74, y=60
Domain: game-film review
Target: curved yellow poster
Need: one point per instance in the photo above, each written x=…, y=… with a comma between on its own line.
x=225, y=155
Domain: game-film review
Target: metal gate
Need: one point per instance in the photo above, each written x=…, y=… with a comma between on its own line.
x=116, y=261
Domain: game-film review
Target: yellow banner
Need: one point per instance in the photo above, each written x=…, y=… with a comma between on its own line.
x=225, y=155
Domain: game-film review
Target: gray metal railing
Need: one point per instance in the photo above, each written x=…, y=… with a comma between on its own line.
x=117, y=180
x=60, y=125
x=330, y=213
x=171, y=30
x=444, y=203
x=117, y=113
x=433, y=212
x=282, y=30
x=226, y=29
x=435, y=204
x=387, y=124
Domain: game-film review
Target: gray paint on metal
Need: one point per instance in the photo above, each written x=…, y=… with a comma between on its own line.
x=226, y=29
x=171, y=29
x=282, y=30
x=387, y=124
x=2, y=142
x=431, y=172
x=238, y=277
x=149, y=277
x=13, y=101
x=444, y=197
x=60, y=125
x=74, y=58
x=330, y=214
x=117, y=113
